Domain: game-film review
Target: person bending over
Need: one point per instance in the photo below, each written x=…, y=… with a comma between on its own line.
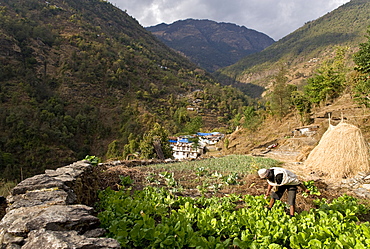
x=284, y=180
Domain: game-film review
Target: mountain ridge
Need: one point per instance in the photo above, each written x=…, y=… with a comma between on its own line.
x=209, y=44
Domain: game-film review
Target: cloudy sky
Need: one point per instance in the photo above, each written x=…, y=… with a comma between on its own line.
x=276, y=18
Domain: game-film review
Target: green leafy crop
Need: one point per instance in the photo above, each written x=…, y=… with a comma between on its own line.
x=94, y=160
x=310, y=185
x=155, y=218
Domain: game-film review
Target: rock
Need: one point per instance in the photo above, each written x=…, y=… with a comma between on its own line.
x=43, y=211
x=362, y=192
x=361, y=174
x=13, y=246
x=73, y=170
x=70, y=173
x=98, y=232
x=42, y=197
x=367, y=179
x=360, y=185
x=366, y=186
x=359, y=179
x=350, y=183
x=66, y=240
x=20, y=221
x=42, y=181
x=11, y=239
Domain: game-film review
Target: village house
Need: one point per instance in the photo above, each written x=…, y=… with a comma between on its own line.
x=183, y=148
x=209, y=138
x=305, y=131
x=183, y=151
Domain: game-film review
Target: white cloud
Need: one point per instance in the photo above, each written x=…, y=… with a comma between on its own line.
x=276, y=18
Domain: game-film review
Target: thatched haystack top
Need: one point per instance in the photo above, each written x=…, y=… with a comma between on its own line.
x=341, y=153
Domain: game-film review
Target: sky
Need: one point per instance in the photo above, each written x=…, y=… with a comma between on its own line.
x=275, y=18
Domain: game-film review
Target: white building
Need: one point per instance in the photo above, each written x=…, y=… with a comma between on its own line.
x=209, y=138
x=186, y=150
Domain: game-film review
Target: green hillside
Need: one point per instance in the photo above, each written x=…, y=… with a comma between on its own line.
x=82, y=77
x=319, y=71
x=345, y=26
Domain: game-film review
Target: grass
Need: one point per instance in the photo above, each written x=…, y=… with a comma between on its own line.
x=229, y=164
x=6, y=187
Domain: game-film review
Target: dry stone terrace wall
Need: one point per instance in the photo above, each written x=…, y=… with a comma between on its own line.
x=53, y=210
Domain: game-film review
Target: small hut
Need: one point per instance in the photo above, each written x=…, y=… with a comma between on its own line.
x=341, y=153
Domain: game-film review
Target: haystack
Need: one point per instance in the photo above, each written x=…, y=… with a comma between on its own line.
x=341, y=153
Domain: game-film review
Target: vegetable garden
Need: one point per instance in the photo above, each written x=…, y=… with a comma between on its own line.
x=166, y=213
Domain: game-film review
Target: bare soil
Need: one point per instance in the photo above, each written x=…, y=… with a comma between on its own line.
x=249, y=184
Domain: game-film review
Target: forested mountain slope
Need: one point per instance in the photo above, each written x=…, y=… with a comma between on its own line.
x=82, y=77
x=315, y=41
x=210, y=44
x=319, y=71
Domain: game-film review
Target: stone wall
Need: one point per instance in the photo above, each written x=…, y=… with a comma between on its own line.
x=53, y=210
x=359, y=185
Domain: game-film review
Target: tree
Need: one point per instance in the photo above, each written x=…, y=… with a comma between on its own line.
x=362, y=57
x=113, y=150
x=194, y=125
x=251, y=119
x=280, y=96
x=155, y=136
x=329, y=81
x=326, y=85
x=362, y=60
x=131, y=147
x=181, y=116
x=302, y=105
